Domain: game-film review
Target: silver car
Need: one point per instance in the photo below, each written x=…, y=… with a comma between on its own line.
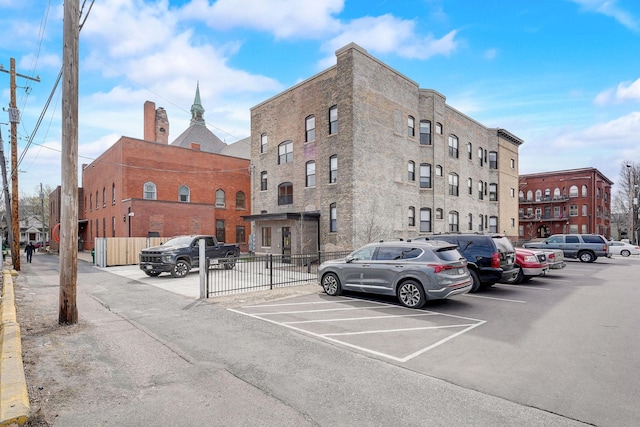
x=415, y=272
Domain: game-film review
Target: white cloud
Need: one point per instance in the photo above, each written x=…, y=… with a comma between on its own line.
x=624, y=92
x=609, y=8
x=283, y=18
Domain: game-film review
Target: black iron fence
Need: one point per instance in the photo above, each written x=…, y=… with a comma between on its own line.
x=260, y=272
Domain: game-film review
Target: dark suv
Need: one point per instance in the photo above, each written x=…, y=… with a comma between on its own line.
x=491, y=257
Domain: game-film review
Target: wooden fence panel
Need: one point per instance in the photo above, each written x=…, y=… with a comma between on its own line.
x=125, y=250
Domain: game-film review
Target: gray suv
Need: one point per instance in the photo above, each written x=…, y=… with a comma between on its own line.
x=585, y=247
x=414, y=272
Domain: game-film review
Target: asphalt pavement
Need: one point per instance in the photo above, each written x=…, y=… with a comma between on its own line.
x=143, y=355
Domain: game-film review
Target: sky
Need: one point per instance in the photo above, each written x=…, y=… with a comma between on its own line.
x=563, y=75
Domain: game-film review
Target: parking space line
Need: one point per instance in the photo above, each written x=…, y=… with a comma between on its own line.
x=442, y=341
x=497, y=299
x=379, y=331
x=270, y=313
x=360, y=318
x=522, y=286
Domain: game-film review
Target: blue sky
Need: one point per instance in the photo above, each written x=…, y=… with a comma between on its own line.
x=563, y=75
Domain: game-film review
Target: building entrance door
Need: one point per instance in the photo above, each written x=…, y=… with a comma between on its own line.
x=286, y=244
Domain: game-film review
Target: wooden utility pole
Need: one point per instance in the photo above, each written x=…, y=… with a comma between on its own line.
x=14, y=118
x=5, y=190
x=69, y=201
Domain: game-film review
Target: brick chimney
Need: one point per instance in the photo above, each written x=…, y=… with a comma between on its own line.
x=156, y=124
x=162, y=126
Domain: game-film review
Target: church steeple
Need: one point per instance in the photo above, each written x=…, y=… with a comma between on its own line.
x=197, y=111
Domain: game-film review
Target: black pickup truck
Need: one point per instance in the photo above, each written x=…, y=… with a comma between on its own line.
x=180, y=254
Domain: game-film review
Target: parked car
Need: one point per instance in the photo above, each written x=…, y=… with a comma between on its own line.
x=585, y=247
x=530, y=263
x=41, y=244
x=555, y=258
x=623, y=248
x=180, y=254
x=414, y=272
x=491, y=257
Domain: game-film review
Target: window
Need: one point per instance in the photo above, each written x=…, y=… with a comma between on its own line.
x=513, y=164
x=98, y=203
x=453, y=221
x=263, y=143
x=183, y=193
x=263, y=181
x=104, y=227
x=411, y=170
x=425, y=175
x=220, y=233
x=240, y=200
x=453, y=146
x=220, y=199
x=333, y=120
x=513, y=193
x=538, y=195
x=529, y=195
x=90, y=202
x=266, y=237
x=425, y=220
x=149, y=191
x=481, y=223
x=310, y=180
x=521, y=195
x=438, y=170
x=470, y=186
x=584, y=210
x=480, y=190
x=584, y=191
x=411, y=126
x=97, y=228
x=113, y=226
x=480, y=156
x=285, y=152
x=104, y=197
x=470, y=222
x=573, y=191
x=333, y=168
x=439, y=213
x=493, y=160
x=453, y=184
x=470, y=151
x=493, y=192
x=493, y=224
x=333, y=217
x=425, y=132
x=439, y=128
x=285, y=193
x=547, y=194
x=310, y=128
x=113, y=193
x=556, y=212
x=412, y=216
x=573, y=210
x=240, y=234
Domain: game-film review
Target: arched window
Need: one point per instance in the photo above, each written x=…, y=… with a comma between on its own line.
x=285, y=193
x=439, y=213
x=585, y=191
x=538, y=195
x=310, y=128
x=240, y=200
x=104, y=197
x=149, y=191
x=453, y=221
x=97, y=200
x=453, y=184
x=184, y=193
x=263, y=143
x=113, y=193
x=529, y=196
x=453, y=146
x=220, y=198
x=411, y=170
x=412, y=216
x=263, y=180
x=411, y=126
x=333, y=169
x=573, y=191
x=285, y=152
x=521, y=195
x=310, y=180
x=556, y=193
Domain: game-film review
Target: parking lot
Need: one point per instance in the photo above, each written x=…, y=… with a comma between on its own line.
x=565, y=343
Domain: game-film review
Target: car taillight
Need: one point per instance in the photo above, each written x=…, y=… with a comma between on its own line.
x=495, y=260
x=438, y=268
x=551, y=256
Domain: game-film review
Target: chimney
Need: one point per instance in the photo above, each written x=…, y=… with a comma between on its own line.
x=149, y=121
x=162, y=126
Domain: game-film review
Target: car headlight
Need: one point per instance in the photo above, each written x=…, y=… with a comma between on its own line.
x=531, y=258
x=166, y=258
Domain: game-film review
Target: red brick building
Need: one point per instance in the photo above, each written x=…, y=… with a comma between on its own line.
x=139, y=188
x=567, y=201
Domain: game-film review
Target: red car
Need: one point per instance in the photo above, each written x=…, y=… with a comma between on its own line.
x=530, y=263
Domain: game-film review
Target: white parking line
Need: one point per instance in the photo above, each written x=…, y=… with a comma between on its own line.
x=497, y=299
x=270, y=313
x=379, y=331
x=522, y=286
x=359, y=318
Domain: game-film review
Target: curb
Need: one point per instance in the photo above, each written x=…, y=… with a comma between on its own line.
x=14, y=398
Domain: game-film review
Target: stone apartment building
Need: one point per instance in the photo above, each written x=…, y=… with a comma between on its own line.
x=566, y=201
x=359, y=152
x=195, y=185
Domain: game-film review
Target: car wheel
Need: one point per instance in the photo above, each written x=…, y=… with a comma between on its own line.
x=411, y=294
x=586, y=256
x=476, y=281
x=230, y=261
x=519, y=277
x=331, y=285
x=625, y=252
x=152, y=273
x=181, y=268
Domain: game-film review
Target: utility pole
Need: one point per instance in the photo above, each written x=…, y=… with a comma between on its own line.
x=68, y=313
x=14, y=118
x=630, y=216
x=43, y=236
x=5, y=189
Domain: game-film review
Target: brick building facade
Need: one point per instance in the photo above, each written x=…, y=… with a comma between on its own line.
x=148, y=187
x=566, y=201
x=360, y=152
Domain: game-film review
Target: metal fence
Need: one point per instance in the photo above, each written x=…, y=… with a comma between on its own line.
x=251, y=273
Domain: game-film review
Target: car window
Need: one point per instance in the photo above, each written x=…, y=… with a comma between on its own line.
x=555, y=239
x=363, y=254
x=397, y=252
x=449, y=254
x=503, y=244
x=572, y=239
x=592, y=239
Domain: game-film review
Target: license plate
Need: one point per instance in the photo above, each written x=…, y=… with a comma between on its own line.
x=148, y=267
x=214, y=261
x=460, y=270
